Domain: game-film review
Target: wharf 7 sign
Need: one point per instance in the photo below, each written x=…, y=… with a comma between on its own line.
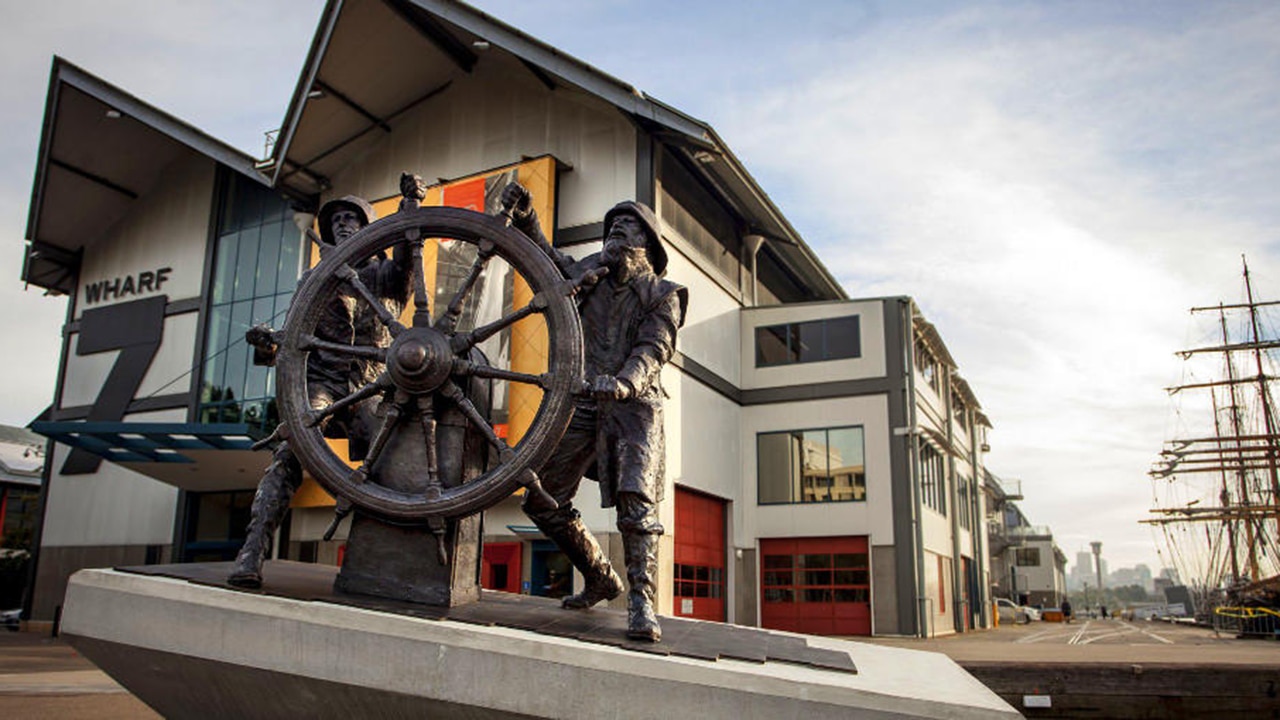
x=119, y=288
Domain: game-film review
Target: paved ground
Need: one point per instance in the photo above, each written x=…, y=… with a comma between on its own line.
x=45, y=679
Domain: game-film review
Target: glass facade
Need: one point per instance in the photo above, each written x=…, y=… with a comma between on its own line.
x=257, y=260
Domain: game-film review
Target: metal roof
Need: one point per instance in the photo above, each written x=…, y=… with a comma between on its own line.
x=372, y=61
x=100, y=150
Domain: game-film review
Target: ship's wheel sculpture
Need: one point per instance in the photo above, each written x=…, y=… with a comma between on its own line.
x=399, y=488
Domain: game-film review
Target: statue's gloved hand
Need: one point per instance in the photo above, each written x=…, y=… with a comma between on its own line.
x=264, y=344
x=517, y=200
x=413, y=186
x=608, y=387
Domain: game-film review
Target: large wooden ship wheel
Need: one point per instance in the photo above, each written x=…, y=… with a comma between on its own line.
x=430, y=361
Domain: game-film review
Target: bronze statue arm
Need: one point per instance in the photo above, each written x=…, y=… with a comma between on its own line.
x=517, y=202
x=654, y=346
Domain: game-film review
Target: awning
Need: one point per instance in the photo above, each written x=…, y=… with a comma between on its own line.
x=200, y=457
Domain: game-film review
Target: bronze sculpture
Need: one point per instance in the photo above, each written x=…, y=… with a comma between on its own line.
x=413, y=404
x=629, y=324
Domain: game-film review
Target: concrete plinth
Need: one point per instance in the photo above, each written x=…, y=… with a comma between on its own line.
x=194, y=650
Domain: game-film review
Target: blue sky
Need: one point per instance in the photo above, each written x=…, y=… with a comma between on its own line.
x=1054, y=183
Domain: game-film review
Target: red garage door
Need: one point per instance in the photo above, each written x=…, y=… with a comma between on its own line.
x=500, y=566
x=820, y=586
x=700, y=552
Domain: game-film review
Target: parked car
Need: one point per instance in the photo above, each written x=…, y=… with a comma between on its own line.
x=10, y=619
x=1011, y=612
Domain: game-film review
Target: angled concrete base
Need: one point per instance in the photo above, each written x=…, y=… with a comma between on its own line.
x=191, y=650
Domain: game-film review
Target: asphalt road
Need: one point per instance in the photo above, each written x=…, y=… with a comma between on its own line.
x=1096, y=641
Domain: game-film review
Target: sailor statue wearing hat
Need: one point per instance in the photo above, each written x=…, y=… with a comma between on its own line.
x=629, y=325
x=330, y=375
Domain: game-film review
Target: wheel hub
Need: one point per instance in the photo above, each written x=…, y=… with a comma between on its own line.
x=419, y=360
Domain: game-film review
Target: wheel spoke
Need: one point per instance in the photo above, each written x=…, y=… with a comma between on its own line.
x=311, y=342
x=480, y=370
x=421, y=300
x=465, y=341
x=317, y=416
x=429, y=433
x=454, y=393
x=347, y=273
x=360, y=475
x=449, y=320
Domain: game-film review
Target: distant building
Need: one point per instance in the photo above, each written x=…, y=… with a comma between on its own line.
x=1139, y=575
x=21, y=461
x=1026, y=565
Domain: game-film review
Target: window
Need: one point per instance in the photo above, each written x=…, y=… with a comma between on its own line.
x=698, y=581
x=960, y=411
x=256, y=264
x=933, y=479
x=942, y=586
x=1026, y=557
x=828, y=339
x=811, y=466
x=693, y=212
x=964, y=487
x=927, y=366
x=215, y=526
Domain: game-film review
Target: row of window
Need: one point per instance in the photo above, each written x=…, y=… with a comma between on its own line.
x=965, y=488
x=257, y=259
x=1026, y=557
x=933, y=479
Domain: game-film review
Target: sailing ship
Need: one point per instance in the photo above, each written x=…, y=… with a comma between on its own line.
x=1217, y=487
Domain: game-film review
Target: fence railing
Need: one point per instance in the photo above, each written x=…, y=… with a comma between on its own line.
x=1245, y=622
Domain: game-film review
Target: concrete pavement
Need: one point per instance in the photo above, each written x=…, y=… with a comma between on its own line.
x=42, y=678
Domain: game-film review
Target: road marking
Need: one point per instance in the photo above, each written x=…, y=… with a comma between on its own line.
x=1150, y=634
x=1079, y=633
x=1114, y=633
x=1039, y=635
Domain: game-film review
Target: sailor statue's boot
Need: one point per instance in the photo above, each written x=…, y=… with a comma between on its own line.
x=642, y=574
x=576, y=542
x=270, y=504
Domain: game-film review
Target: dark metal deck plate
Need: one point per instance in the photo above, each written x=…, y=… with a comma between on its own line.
x=680, y=637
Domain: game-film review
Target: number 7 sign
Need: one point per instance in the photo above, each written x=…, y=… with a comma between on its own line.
x=135, y=329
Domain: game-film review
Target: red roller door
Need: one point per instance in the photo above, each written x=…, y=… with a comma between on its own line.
x=700, y=556
x=820, y=586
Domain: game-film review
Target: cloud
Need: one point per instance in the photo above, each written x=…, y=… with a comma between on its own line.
x=1055, y=195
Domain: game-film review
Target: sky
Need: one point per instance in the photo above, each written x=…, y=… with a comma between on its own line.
x=1054, y=183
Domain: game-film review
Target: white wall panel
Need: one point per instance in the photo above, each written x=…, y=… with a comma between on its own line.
x=170, y=370
x=704, y=437
x=113, y=506
x=167, y=227
x=712, y=334
x=870, y=365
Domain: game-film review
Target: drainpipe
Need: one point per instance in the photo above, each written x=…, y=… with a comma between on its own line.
x=979, y=524
x=751, y=244
x=953, y=499
x=913, y=452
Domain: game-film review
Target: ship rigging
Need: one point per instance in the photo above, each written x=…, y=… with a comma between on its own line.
x=1217, y=489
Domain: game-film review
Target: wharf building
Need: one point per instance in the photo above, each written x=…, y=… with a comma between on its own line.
x=824, y=457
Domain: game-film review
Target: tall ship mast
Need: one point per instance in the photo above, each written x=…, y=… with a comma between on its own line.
x=1216, y=488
